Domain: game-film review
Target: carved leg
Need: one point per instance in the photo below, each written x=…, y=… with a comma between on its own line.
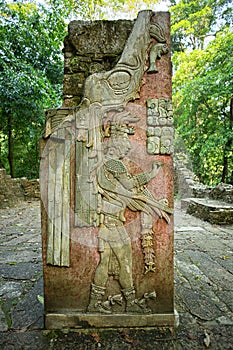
x=124, y=257
x=101, y=273
x=96, y=300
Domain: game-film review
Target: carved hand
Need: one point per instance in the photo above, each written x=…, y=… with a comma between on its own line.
x=155, y=168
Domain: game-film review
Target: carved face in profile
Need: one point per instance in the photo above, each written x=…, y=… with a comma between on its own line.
x=119, y=145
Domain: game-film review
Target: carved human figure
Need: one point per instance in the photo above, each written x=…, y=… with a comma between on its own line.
x=117, y=190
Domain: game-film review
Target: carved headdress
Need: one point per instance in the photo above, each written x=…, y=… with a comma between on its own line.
x=119, y=124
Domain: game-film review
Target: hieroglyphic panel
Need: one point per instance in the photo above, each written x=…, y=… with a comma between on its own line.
x=160, y=131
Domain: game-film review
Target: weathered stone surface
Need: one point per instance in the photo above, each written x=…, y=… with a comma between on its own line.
x=3, y=323
x=112, y=36
x=11, y=190
x=31, y=188
x=190, y=333
x=199, y=305
x=84, y=55
x=31, y=318
x=14, y=190
x=222, y=192
x=80, y=320
x=33, y=340
x=11, y=290
x=216, y=212
x=14, y=257
x=73, y=84
x=215, y=272
x=140, y=279
x=20, y=271
x=213, y=204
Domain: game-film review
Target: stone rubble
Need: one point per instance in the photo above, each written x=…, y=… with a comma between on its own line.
x=15, y=190
x=213, y=204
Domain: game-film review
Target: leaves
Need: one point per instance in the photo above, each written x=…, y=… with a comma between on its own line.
x=30, y=79
x=202, y=93
x=192, y=22
x=40, y=298
x=206, y=340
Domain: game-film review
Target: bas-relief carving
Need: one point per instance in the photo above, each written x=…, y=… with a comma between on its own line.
x=117, y=190
x=58, y=148
x=103, y=185
x=158, y=49
x=160, y=132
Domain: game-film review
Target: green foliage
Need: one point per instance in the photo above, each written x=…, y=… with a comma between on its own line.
x=30, y=81
x=193, y=21
x=103, y=9
x=202, y=95
x=202, y=41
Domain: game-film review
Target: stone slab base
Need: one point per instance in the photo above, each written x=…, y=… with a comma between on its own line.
x=80, y=320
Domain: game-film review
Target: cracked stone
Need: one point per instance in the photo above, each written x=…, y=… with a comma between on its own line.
x=199, y=305
x=11, y=290
x=3, y=323
x=29, y=311
x=20, y=271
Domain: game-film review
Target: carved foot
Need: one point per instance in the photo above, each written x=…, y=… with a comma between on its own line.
x=96, y=304
x=135, y=307
x=98, y=307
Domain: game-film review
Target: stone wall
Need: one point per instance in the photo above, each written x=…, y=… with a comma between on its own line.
x=187, y=185
x=14, y=190
x=84, y=55
x=213, y=204
x=186, y=182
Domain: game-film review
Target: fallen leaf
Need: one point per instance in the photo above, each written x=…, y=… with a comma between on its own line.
x=225, y=257
x=128, y=339
x=191, y=336
x=96, y=337
x=40, y=298
x=206, y=340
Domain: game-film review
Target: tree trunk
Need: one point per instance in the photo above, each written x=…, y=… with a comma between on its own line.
x=10, y=145
x=228, y=147
x=1, y=162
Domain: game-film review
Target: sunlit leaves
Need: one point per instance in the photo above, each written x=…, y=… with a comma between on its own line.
x=194, y=21
x=102, y=9
x=202, y=93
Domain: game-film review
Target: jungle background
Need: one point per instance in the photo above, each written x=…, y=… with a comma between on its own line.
x=31, y=76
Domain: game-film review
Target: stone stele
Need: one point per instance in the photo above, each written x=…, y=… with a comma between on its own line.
x=107, y=179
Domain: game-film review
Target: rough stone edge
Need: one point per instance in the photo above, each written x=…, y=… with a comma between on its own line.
x=83, y=321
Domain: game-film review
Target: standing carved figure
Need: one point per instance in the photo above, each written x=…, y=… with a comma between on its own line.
x=117, y=190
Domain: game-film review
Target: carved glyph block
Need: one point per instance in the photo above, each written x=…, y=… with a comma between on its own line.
x=160, y=132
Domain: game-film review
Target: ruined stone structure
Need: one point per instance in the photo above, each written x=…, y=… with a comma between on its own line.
x=107, y=179
x=210, y=203
x=14, y=190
